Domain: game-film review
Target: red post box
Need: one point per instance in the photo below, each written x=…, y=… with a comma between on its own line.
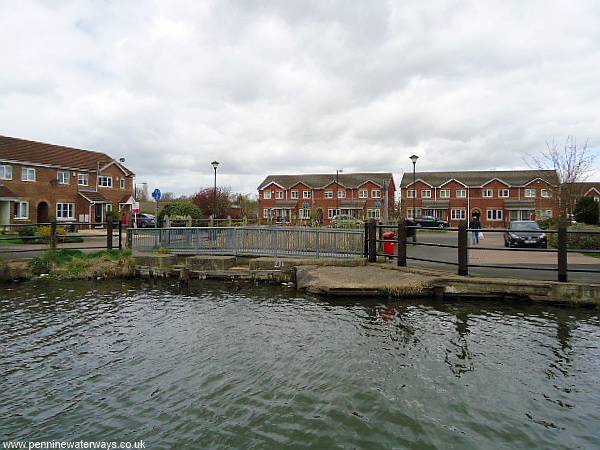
x=389, y=248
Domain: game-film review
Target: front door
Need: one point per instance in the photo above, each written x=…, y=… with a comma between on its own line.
x=99, y=212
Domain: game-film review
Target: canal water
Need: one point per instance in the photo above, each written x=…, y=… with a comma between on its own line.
x=237, y=366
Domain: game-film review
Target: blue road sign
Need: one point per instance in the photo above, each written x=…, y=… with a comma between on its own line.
x=156, y=194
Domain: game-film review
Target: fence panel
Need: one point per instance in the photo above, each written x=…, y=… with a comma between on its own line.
x=252, y=241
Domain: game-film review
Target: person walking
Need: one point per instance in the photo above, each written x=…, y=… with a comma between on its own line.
x=475, y=226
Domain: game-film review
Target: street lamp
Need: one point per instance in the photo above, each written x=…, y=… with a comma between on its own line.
x=414, y=158
x=135, y=200
x=337, y=187
x=215, y=164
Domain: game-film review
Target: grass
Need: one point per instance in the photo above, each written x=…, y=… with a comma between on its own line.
x=593, y=255
x=70, y=264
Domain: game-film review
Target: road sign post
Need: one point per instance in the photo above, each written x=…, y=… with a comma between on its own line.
x=156, y=195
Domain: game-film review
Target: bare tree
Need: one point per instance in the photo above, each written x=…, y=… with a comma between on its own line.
x=573, y=163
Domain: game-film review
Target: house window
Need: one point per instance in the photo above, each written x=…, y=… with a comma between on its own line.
x=28, y=174
x=445, y=193
x=331, y=212
x=458, y=214
x=279, y=195
x=105, y=181
x=410, y=215
x=65, y=211
x=83, y=179
x=374, y=213
x=266, y=214
x=108, y=207
x=63, y=177
x=546, y=193
x=530, y=193
x=294, y=195
x=488, y=193
x=363, y=193
x=410, y=193
x=376, y=193
x=21, y=210
x=122, y=183
x=306, y=194
x=341, y=194
x=494, y=214
x=305, y=213
x=267, y=195
x=461, y=193
x=503, y=193
x=426, y=193
x=328, y=194
x=5, y=172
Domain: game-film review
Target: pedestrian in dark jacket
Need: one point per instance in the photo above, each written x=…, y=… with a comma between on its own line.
x=475, y=226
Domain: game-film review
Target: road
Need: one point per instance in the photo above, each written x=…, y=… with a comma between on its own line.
x=498, y=256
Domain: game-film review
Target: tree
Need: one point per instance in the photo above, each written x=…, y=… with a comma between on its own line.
x=248, y=205
x=586, y=211
x=141, y=192
x=205, y=200
x=179, y=209
x=573, y=163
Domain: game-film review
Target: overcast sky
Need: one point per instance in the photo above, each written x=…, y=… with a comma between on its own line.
x=289, y=86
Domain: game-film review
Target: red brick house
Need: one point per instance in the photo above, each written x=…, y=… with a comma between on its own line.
x=587, y=189
x=359, y=195
x=497, y=197
x=40, y=181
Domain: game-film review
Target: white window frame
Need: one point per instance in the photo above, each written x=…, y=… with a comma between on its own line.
x=70, y=210
x=102, y=178
x=28, y=170
x=306, y=194
x=461, y=193
x=530, y=193
x=373, y=213
x=494, y=215
x=331, y=212
x=501, y=193
x=19, y=210
x=85, y=176
x=63, y=177
x=363, y=193
x=267, y=195
x=410, y=214
x=411, y=193
x=266, y=214
x=278, y=195
x=487, y=193
x=546, y=193
x=444, y=193
x=375, y=193
x=328, y=194
x=4, y=168
x=122, y=183
x=426, y=193
x=341, y=193
x=458, y=214
x=304, y=213
x=294, y=195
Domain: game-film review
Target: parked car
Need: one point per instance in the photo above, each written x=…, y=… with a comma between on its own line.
x=146, y=221
x=430, y=222
x=525, y=233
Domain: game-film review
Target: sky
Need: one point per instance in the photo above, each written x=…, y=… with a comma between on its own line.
x=278, y=87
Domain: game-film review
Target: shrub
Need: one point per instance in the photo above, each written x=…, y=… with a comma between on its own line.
x=179, y=208
x=547, y=224
x=586, y=211
x=28, y=231
x=578, y=240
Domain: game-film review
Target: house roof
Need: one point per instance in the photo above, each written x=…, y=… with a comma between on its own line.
x=480, y=177
x=22, y=150
x=93, y=196
x=7, y=194
x=315, y=181
x=582, y=188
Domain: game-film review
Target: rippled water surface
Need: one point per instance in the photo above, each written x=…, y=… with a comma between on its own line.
x=221, y=366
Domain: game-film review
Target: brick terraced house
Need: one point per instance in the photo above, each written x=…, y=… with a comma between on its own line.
x=497, y=197
x=587, y=189
x=359, y=195
x=40, y=181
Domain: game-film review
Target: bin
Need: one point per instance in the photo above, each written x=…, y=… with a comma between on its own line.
x=389, y=248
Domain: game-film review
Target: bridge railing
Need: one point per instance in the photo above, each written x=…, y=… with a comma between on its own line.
x=251, y=241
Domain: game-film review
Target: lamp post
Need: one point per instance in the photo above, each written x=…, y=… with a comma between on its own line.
x=135, y=199
x=215, y=164
x=414, y=158
x=337, y=187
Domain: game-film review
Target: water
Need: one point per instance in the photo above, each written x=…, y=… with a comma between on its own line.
x=222, y=366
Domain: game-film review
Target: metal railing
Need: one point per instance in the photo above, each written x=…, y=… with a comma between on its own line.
x=251, y=241
x=374, y=239
x=54, y=235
